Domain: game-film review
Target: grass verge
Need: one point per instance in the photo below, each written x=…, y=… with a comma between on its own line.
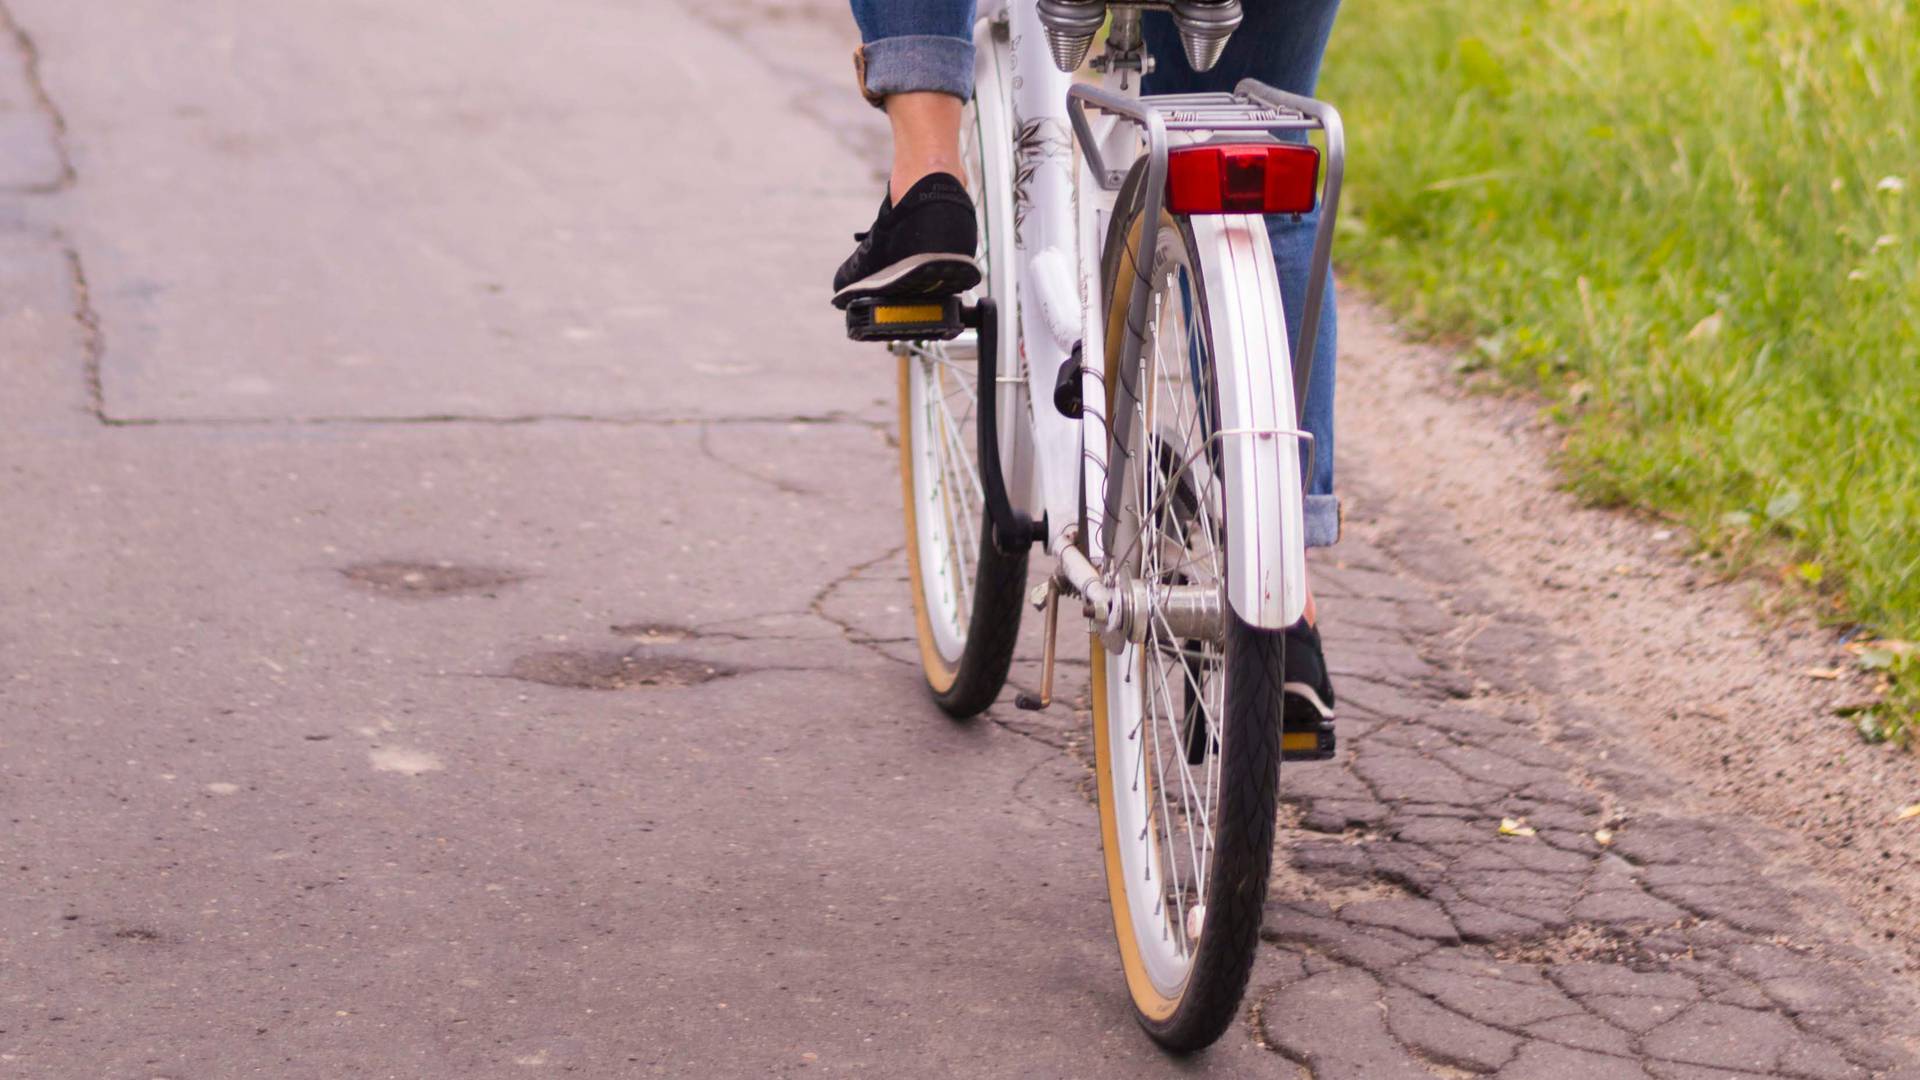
x=1693, y=224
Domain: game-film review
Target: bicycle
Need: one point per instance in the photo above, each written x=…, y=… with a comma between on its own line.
x=1164, y=478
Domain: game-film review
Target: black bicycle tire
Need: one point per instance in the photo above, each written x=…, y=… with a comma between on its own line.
x=969, y=685
x=1250, y=772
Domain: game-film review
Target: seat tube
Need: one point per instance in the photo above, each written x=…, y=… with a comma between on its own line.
x=1050, y=310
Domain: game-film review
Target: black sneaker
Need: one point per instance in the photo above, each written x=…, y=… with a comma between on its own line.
x=1307, y=726
x=921, y=247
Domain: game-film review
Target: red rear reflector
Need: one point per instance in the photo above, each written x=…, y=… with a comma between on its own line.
x=1262, y=178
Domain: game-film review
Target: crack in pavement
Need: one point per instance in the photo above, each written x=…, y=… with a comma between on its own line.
x=1051, y=738
x=1532, y=955
x=93, y=351
x=832, y=418
x=93, y=345
x=94, y=337
x=1623, y=938
x=1557, y=954
x=785, y=487
x=29, y=52
x=817, y=606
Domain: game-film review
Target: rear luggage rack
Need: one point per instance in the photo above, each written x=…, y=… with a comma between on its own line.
x=1254, y=108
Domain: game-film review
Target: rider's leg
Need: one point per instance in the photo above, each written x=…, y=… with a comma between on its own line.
x=1281, y=43
x=916, y=62
x=926, y=138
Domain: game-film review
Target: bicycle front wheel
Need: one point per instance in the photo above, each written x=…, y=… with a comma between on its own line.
x=1186, y=730
x=966, y=593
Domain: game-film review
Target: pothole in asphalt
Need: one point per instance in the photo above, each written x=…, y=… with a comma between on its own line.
x=429, y=579
x=615, y=670
x=1375, y=888
x=1586, y=942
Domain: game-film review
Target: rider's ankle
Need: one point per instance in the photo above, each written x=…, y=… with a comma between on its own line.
x=926, y=138
x=907, y=174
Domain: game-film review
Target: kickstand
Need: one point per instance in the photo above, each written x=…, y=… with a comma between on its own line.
x=1045, y=598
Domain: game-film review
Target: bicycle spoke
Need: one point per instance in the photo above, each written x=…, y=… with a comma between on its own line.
x=957, y=542
x=1163, y=695
x=1173, y=539
x=954, y=516
x=1183, y=739
x=957, y=455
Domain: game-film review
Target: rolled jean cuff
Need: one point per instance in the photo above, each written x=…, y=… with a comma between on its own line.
x=915, y=63
x=1323, y=520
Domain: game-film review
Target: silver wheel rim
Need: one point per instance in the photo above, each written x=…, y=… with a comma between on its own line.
x=949, y=501
x=1165, y=695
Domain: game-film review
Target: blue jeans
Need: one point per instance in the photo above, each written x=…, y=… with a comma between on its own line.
x=1280, y=43
x=913, y=45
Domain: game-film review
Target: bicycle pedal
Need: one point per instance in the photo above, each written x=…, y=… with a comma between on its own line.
x=1315, y=745
x=925, y=319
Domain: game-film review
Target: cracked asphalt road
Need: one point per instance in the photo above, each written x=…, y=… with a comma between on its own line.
x=453, y=625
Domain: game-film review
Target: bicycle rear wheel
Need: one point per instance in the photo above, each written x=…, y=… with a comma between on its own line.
x=966, y=593
x=1186, y=731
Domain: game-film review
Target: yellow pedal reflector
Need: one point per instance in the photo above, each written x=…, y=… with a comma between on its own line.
x=1300, y=740
x=895, y=314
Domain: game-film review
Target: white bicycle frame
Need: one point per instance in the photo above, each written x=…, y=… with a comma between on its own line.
x=1063, y=196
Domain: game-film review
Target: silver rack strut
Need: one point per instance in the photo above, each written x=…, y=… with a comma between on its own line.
x=1253, y=106
x=1320, y=267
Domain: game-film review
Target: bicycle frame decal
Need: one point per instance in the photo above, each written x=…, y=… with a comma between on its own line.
x=1039, y=143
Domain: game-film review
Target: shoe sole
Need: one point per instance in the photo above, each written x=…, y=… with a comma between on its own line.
x=1299, y=691
x=933, y=274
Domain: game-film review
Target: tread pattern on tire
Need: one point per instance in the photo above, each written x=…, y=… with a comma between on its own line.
x=999, y=588
x=1249, y=778
x=1243, y=841
x=993, y=628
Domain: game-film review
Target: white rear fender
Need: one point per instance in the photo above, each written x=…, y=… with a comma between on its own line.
x=1266, y=523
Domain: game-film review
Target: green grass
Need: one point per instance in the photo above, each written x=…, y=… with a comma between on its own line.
x=1695, y=225
x=1896, y=717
